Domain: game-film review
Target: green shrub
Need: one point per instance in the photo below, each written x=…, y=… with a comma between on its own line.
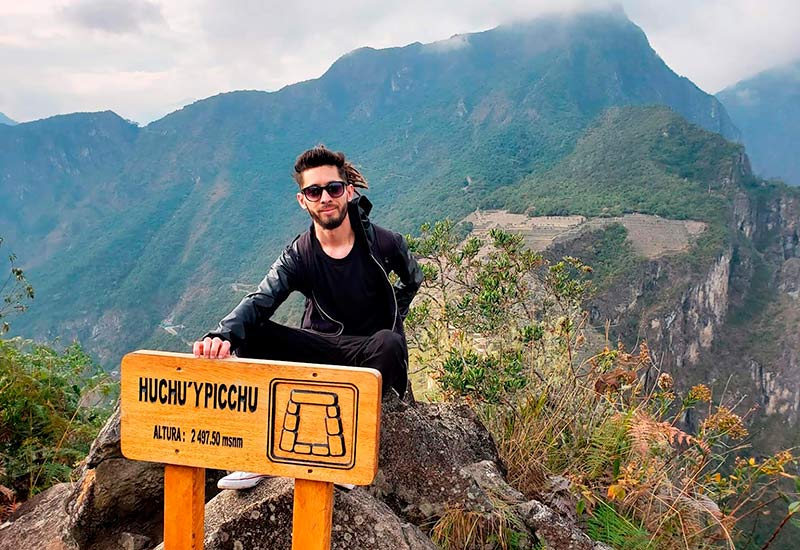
x=51, y=406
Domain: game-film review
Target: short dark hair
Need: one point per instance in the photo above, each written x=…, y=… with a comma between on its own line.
x=322, y=156
x=319, y=156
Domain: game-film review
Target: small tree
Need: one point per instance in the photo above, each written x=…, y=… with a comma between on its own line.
x=15, y=291
x=489, y=312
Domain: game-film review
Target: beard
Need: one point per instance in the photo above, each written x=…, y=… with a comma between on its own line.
x=330, y=220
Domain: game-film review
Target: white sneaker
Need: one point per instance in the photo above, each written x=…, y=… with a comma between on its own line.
x=247, y=480
x=240, y=480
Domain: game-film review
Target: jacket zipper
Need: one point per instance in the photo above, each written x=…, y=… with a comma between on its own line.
x=391, y=289
x=331, y=319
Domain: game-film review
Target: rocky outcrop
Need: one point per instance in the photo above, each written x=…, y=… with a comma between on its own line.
x=39, y=523
x=437, y=464
x=690, y=327
x=439, y=440
x=762, y=352
x=730, y=321
x=262, y=518
x=113, y=491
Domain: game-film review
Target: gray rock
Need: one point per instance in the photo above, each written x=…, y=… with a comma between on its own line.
x=262, y=518
x=423, y=450
x=119, y=495
x=552, y=530
x=133, y=541
x=107, y=443
x=41, y=525
x=118, y=502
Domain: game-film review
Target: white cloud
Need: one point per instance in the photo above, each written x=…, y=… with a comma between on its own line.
x=142, y=58
x=747, y=97
x=113, y=16
x=716, y=43
x=457, y=42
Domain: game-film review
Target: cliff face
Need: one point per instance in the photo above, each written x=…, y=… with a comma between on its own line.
x=733, y=321
x=772, y=363
x=691, y=326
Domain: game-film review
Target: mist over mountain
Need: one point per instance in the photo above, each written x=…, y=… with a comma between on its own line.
x=766, y=108
x=7, y=121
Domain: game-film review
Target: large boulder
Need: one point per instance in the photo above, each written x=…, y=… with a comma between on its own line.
x=39, y=523
x=114, y=495
x=262, y=518
x=423, y=449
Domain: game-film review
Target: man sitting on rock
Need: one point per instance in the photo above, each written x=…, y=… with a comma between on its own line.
x=353, y=314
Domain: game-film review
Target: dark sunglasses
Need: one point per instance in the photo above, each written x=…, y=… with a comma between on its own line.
x=335, y=190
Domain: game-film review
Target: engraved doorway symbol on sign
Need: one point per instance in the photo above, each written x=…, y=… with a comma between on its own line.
x=313, y=423
x=309, y=401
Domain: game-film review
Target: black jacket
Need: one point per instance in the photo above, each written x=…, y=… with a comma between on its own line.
x=293, y=270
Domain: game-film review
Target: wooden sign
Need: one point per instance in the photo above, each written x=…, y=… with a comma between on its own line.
x=305, y=421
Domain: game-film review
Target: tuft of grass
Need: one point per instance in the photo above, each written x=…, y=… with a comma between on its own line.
x=460, y=529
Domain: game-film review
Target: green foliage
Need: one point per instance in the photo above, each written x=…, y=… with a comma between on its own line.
x=51, y=406
x=611, y=255
x=475, y=315
x=488, y=377
x=609, y=526
x=634, y=159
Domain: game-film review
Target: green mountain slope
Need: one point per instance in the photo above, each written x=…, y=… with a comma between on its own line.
x=58, y=176
x=647, y=160
x=190, y=209
x=766, y=108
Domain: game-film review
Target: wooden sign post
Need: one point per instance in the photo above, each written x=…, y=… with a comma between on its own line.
x=318, y=424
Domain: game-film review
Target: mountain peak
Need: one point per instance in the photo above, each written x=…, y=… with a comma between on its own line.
x=6, y=120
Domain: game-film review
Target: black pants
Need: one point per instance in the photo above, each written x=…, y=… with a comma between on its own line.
x=384, y=351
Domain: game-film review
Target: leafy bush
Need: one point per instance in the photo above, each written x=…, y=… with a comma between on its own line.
x=475, y=316
x=51, y=406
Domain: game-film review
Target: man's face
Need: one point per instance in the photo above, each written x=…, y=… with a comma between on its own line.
x=328, y=212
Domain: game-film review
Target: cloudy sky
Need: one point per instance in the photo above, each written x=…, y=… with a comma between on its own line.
x=145, y=58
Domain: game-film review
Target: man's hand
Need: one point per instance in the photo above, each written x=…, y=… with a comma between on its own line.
x=215, y=348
